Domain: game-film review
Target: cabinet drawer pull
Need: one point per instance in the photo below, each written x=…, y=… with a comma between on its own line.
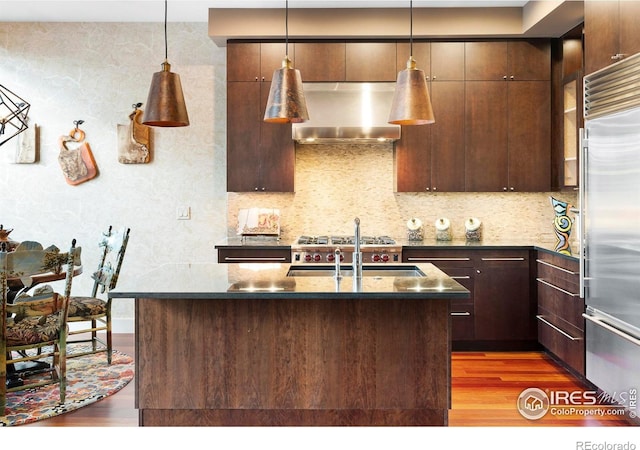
x=564, y=333
x=256, y=258
x=546, y=283
x=557, y=267
x=504, y=259
x=437, y=259
x=461, y=277
x=465, y=313
x=614, y=330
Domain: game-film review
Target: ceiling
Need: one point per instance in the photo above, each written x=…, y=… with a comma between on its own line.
x=192, y=10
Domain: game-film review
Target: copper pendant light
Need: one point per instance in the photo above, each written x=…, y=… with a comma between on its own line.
x=286, y=103
x=165, y=103
x=411, y=102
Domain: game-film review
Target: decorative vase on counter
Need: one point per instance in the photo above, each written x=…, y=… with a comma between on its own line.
x=443, y=229
x=414, y=230
x=562, y=225
x=473, y=230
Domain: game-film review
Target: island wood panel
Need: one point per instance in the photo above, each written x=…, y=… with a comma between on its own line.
x=293, y=362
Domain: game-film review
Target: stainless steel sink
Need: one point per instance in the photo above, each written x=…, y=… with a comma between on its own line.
x=372, y=270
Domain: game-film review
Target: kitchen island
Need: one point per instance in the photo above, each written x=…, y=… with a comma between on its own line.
x=248, y=345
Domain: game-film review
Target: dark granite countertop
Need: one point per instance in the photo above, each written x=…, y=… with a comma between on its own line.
x=223, y=281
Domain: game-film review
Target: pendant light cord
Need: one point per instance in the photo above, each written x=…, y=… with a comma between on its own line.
x=166, y=47
x=286, y=28
x=411, y=28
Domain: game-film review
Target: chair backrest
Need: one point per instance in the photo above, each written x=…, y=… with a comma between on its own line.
x=30, y=259
x=114, y=244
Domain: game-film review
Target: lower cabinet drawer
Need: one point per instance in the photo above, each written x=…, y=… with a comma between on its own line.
x=563, y=340
x=251, y=255
x=462, y=320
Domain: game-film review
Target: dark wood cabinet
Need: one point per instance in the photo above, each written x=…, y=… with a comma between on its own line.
x=447, y=61
x=508, y=60
x=611, y=32
x=504, y=308
x=371, y=61
x=260, y=156
x=500, y=314
x=560, y=322
x=508, y=136
x=321, y=61
x=431, y=158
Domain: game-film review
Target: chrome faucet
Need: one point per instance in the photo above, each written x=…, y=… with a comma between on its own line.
x=357, y=254
x=337, y=254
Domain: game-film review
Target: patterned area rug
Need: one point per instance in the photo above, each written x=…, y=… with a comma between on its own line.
x=89, y=379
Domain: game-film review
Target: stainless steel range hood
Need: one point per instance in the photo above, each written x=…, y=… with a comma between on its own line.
x=347, y=112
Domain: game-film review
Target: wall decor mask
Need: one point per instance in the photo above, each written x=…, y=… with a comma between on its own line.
x=76, y=158
x=134, y=139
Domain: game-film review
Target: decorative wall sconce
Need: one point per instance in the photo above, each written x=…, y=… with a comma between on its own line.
x=13, y=114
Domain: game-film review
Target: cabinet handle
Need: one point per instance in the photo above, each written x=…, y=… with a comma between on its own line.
x=557, y=267
x=503, y=259
x=512, y=77
x=512, y=189
x=546, y=283
x=464, y=313
x=617, y=56
x=564, y=333
x=426, y=189
x=504, y=77
x=437, y=259
x=250, y=258
x=504, y=189
x=466, y=277
x=435, y=188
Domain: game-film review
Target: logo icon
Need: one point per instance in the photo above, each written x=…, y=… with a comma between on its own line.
x=533, y=403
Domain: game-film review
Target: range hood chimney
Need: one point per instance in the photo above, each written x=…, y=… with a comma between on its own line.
x=347, y=112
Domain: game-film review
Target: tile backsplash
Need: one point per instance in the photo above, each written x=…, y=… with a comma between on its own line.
x=337, y=182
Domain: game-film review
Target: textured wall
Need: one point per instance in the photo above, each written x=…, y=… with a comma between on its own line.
x=96, y=71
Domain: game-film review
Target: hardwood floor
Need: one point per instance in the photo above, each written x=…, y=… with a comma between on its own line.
x=485, y=388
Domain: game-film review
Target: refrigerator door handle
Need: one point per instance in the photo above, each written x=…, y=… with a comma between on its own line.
x=614, y=330
x=580, y=216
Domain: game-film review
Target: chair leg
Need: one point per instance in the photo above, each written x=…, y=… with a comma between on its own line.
x=62, y=378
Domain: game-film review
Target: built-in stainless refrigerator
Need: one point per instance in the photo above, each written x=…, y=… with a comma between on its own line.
x=610, y=228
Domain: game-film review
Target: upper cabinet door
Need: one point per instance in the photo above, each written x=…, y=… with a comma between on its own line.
x=421, y=53
x=323, y=61
x=243, y=61
x=529, y=60
x=371, y=61
x=485, y=61
x=629, y=27
x=447, y=61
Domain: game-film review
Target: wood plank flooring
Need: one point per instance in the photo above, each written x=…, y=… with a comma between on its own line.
x=485, y=388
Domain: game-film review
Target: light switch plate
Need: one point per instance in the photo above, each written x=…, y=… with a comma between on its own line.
x=183, y=212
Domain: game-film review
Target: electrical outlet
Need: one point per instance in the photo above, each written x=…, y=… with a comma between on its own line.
x=183, y=212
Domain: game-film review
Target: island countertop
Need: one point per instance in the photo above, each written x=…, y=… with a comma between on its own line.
x=222, y=281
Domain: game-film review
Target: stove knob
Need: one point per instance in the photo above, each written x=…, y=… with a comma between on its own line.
x=307, y=257
x=375, y=258
x=331, y=257
x=317, y=257
x=385, y=257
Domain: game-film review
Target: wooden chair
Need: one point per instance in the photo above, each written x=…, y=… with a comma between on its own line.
x=94, y=311
x=34, y=328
